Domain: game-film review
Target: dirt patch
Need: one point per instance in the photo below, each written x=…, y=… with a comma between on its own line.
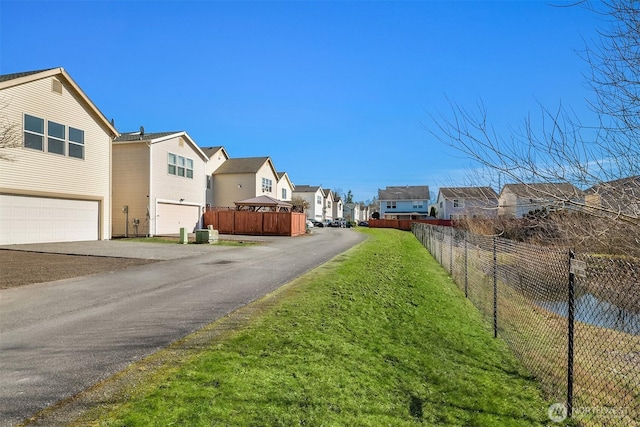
x=19, y=268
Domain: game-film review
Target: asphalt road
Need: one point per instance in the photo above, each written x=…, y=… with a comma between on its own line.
x=59, y=338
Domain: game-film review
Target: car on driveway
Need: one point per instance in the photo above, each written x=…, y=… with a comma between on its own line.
x=316, y=223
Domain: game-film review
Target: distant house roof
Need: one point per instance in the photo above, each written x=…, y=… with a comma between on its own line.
x=629, y=184
x=284, y=175
x=543, y=189
x=307, y=188
x=482, y=193
x=244, y=165
x=416, y=192
x=16, y=79
x=156, y=137
x=210, y=151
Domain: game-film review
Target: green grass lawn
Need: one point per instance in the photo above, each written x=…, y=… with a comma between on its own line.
x=378, y=336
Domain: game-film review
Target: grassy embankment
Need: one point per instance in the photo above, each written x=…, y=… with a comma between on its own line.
x=378, y=336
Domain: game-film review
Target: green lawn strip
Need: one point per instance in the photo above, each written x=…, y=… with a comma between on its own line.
x=379, y=336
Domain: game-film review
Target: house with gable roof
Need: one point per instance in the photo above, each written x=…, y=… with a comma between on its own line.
x=56, y=185
x=518, y=200
x=243, y=178
x=404, y=202
x=216, y=157
x=159, y=183
x=616, y=197
x=466, y=202
x=314, y=196
x=285, y=187
x=327, y=208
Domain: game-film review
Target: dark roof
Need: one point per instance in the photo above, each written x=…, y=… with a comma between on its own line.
x=543, y=189
x=483, y=193
x=407, y=192
x=7, y=77
x=210, y=151
x=243, y=165
x=610, y=187
x=306, y=188
x=136, y=136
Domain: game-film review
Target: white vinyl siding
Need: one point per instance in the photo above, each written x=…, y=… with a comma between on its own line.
x=37, y=172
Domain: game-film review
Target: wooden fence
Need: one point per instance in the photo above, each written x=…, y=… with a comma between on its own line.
x=256, y=223
x=405, y=224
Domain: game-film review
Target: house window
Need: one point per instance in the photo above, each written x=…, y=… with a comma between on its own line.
x=456, y=203
x=209, y=182
x=76, y=143
x=328, y=203
x=180, y=166
x=319, y=200
x=62, y=140
x=417, y=204
x=33, y=132
x=284, y=194
x=266, y=185
x=56, y=138
x=391, y=205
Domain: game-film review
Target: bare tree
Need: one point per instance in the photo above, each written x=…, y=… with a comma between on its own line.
x=554, y=146
x=9, y=133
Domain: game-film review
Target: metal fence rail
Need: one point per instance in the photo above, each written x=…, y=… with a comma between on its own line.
x=572, y=319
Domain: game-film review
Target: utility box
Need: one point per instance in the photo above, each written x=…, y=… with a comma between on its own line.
x=207, y=236
x=184, y=237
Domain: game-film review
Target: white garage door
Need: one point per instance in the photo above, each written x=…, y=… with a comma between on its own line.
x=171, y=217
x=39, y=220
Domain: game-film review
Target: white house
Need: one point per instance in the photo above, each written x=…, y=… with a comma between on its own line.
x=466, y=202
x=159, y=183
x=314, y=195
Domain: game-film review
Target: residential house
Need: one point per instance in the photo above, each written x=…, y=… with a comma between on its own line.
x=159, y=183
x=356, y=212
x=243, y=178
x=406, y=202
x=518, y=200
x=217, y=156
x=327, y=209
x=466, y=202
x=285, y=187
x=338, y=207
x=314, y=195
x=55, y=179
x=617, y=197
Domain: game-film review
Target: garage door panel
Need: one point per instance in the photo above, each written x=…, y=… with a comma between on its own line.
x=171, y=217
x=38, y=220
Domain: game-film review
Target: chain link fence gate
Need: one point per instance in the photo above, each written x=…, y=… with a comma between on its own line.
x=573, y=320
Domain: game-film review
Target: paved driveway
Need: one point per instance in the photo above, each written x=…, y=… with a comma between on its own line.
x=58, y=338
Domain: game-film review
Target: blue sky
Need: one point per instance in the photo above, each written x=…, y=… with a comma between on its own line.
x=337, y=93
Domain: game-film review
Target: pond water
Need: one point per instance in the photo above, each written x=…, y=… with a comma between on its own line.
x=591, y=310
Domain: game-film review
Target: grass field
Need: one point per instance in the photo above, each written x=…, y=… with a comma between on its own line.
x=378, y=336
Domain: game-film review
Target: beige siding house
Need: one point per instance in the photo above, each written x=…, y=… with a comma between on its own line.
x=57, y=184
x=159, y=183
x=217, y=156
x=517, y=200
x=243, y=178
x=285, y=187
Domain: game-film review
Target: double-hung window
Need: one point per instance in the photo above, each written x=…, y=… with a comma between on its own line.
x=33, y=132
x=267, y=185
x=60, y=139
x=391, y=205
x=180, y=166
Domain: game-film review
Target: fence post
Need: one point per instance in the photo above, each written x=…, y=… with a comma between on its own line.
x=466, y=267
x=570, y=322
x=451, y=251
x=495, y=289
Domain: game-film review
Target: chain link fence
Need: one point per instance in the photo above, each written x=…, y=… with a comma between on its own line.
x=572, y=319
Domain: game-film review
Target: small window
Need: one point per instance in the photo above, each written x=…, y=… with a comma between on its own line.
x=172, y=161
x=181, y=165
x=456, y=203
x=391, y=205
x=284, y=194
x=33, y=132
x=209, y=182
x=56, y=138
x=189, y=168
x=267, y=185
x=319, y=200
